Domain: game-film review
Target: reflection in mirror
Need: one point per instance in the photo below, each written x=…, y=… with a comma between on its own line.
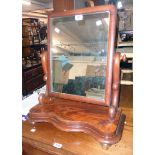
x=78, y=59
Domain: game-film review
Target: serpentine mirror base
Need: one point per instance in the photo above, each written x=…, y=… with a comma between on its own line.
x=73, y=116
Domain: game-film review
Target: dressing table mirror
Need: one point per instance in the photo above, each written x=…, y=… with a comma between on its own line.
x=82, y=75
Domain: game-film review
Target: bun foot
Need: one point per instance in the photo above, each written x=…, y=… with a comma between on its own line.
x=105, y=146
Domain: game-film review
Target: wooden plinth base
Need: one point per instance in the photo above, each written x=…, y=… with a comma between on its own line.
x=73, y=116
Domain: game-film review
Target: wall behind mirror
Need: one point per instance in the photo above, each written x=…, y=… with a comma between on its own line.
x=78, y=59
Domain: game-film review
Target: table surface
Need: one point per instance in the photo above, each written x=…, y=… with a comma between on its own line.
x=46, y=135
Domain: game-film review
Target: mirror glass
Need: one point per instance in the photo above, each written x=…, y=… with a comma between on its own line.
x=78, y=58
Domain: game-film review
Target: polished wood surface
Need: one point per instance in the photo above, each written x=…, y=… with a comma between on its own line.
x=67, y=112
x=102, y=122
x=44, y=64
x=115, y=86
x=76, y=116
x=41, y=141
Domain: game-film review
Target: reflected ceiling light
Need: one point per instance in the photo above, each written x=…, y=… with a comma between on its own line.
x=26, y=2
x=103, y=50
x=98, y=22
x=54, y=50
x=57, y=30
x=106, y=20
x=119, y=5
x=78, y=17
x=55, y=42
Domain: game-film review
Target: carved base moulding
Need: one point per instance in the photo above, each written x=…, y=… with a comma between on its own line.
x=72, y=116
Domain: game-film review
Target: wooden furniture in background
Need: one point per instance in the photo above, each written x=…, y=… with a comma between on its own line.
x=125, y=46
x=32, y=38
x=33, y=35
x=32, y=78
x=30, y=35
x=102, y=119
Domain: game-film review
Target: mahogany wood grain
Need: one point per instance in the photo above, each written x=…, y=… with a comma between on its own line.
x=73, y=143
x=109, y=68
x=115, y=85
x=78, y=143
x=44, y=64
x=116, y=80
x=80, y=117
x=30, y=150
x=103, y=120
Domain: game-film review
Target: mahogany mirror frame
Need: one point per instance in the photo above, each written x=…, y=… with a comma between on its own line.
x=110, y=54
